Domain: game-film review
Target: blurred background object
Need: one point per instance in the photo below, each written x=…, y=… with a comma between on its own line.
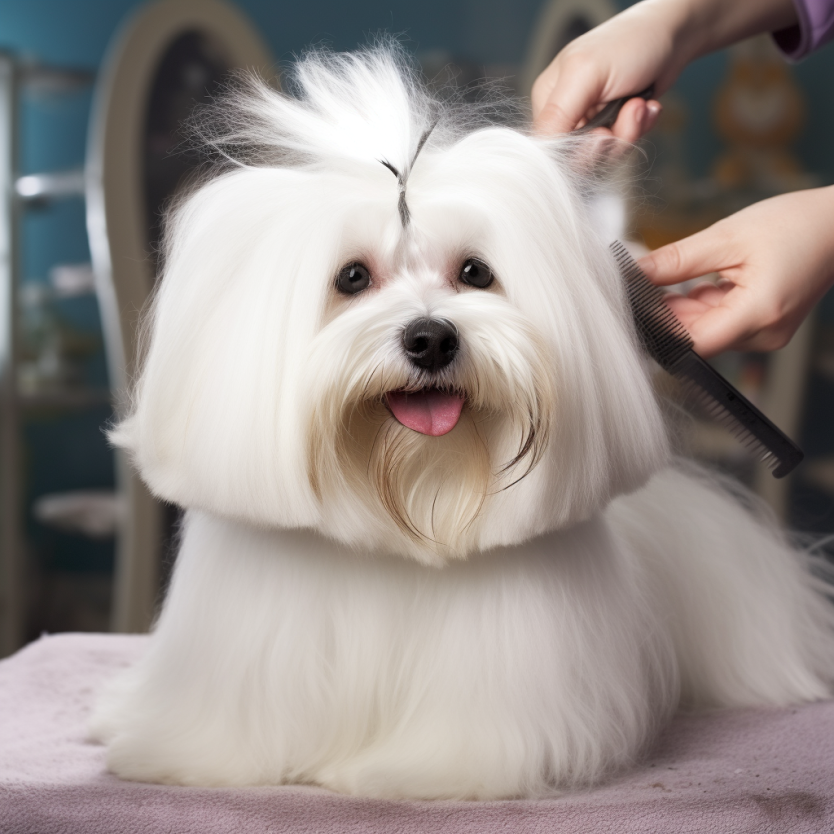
x=168, y=57
x=92, y=94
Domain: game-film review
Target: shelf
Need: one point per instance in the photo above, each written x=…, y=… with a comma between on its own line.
x=40, y=188
x=89, y=398
x=43, y=79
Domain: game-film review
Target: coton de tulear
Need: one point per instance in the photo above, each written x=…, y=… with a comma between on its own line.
x=435, y=542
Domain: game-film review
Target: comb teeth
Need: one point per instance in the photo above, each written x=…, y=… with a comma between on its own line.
x=718, y=414
x=668, y=343
x=663, y=336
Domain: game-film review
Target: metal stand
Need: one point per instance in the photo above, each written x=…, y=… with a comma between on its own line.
x=12, y=589
x=16, y=193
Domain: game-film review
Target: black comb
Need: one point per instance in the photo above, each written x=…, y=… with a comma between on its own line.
x=608, y=115
x=665, y=339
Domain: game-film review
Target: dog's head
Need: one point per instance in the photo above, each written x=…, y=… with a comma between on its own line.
x=391, y=322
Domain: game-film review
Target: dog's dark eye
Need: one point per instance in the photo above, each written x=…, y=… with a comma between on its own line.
x=476, y=273
x=353, y=278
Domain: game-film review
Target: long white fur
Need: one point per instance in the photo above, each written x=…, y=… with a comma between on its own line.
x=390, y=614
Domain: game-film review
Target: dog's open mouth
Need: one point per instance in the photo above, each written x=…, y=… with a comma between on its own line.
x=430, y=411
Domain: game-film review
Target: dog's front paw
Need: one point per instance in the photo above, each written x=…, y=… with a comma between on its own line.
x=417, y=772
x=178, y=761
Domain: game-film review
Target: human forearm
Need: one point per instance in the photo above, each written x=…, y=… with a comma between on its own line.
x=648, y=43
x=704, y=26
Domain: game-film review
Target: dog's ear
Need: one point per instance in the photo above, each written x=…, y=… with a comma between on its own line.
x=215, y=421
x=603, y=171
x=607, y=434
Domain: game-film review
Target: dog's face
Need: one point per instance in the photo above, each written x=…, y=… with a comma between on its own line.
x=425, y=364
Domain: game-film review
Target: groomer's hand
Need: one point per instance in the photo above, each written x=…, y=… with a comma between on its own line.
x=649, y=43
x=624, y=55
x=775, y=260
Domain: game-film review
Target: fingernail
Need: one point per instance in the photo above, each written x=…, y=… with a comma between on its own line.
x=651, y=112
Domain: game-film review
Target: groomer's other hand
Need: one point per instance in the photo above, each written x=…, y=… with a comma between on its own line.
x=649, y=43
x=775, y=260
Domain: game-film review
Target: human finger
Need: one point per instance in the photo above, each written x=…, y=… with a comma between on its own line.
x=716, y=328
x=636, y=118
x=566, y=102
x=694, y=256
x=712, y=294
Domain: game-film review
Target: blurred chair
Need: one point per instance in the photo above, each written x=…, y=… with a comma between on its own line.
x=559, y=22
x=168, y=56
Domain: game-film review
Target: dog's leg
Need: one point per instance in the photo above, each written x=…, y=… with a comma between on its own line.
x=283, y=658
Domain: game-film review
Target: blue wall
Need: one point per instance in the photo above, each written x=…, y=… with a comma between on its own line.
x=77, y=31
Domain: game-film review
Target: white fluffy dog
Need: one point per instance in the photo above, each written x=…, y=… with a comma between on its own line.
x=434, y=544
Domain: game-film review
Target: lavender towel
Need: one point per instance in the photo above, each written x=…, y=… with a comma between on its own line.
x=745, y=771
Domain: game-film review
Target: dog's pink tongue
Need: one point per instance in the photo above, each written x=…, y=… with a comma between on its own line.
x=429, y=412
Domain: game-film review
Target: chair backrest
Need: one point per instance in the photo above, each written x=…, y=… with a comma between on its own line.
x=162, y=51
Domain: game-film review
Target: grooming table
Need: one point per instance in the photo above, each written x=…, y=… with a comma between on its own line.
x=743, y=771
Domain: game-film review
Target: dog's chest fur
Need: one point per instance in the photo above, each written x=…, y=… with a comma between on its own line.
x=284, y=657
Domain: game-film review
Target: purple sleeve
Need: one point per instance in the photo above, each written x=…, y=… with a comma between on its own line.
x=815, y=28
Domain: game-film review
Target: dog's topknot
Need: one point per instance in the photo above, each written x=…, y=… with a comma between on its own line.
x=368, y=106
x=338, y=108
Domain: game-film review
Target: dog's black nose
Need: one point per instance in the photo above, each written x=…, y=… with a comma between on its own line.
x=430, y=343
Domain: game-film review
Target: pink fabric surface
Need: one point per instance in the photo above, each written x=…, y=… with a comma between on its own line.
x=744, y=771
